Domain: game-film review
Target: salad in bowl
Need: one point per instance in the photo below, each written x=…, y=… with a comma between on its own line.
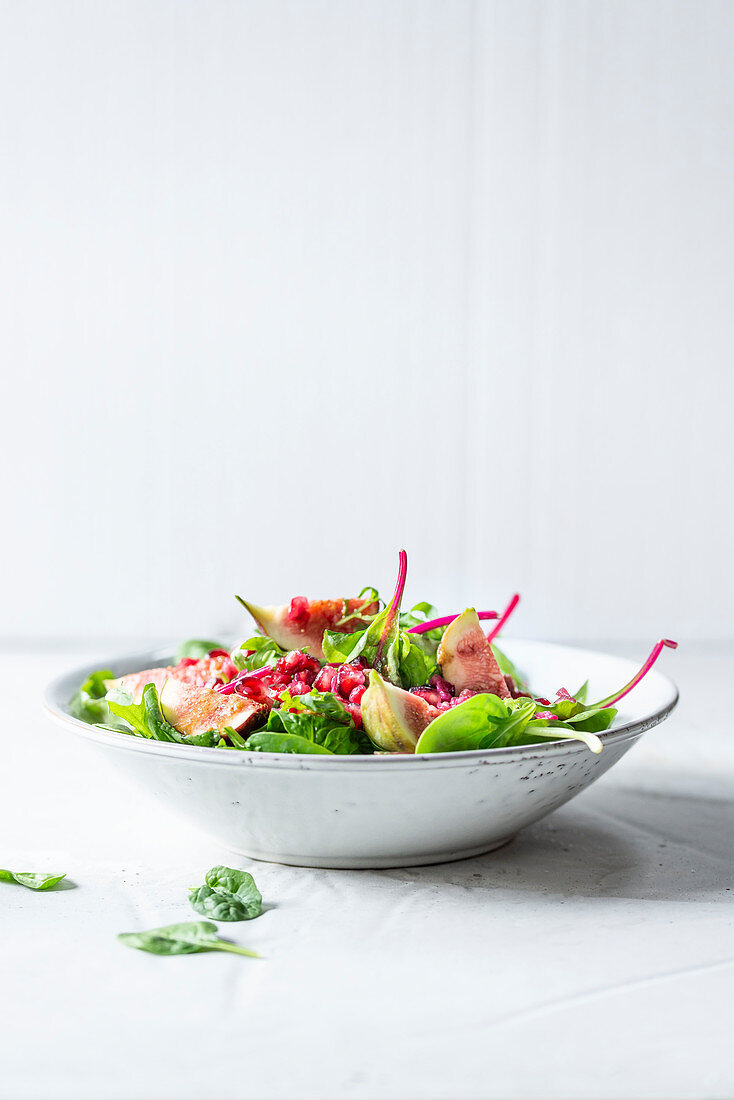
x=350, y=677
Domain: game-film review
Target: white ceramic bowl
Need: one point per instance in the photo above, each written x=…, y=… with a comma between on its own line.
x=379, y=811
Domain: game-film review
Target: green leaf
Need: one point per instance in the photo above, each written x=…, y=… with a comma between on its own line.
x=342, y=648
x=594, y=720
x=284, y=742
x=322, y=718
x=89, y=703
x=538, y=731
x=228, y=895
x=263, y=651
x=471, y=725
x=32, y=879
x=197, y=648
x=182, y=939
x=580, y=695
x=507, y=668
x=416, y=665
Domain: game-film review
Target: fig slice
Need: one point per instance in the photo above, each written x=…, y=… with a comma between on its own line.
x=394, y=719
x=466, y=658
x=204, y=670
x=194, y=709
x=301, y=623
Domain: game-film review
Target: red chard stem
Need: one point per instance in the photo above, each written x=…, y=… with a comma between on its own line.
x=656, y=651
x=504, y=617
x=432, y=624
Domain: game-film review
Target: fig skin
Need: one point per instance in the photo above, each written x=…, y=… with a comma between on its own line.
x=394, y=719
x=466, y=658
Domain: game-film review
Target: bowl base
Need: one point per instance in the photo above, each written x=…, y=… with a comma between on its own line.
x=365, y=863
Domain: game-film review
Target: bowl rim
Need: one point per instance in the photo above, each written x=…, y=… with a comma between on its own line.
x=56, y=710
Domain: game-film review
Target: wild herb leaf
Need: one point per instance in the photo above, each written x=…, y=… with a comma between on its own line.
x=197, y=648
x=34, y=880
x=182, y=939
x=228, y=894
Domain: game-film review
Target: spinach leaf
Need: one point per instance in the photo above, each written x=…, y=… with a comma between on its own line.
x=416, y=664
x=32, y=879
x=197, y=648
x=264, y=651
x=89, y=703
x=576, y=715
x=322, y=718
x=580, y=695
x=487, y=722
x=420, y=613
x=379, y=643
x=471, y=725
x=284, y=742
x=227, y=895
x=146, y=718
x=182, y=939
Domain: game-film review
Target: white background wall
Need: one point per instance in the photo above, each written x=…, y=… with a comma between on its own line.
x=285, y=286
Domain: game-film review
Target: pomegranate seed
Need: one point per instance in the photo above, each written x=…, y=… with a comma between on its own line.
x=218, y=653
x=298, y=609
x=443, y=687
x=325, y=678
x=294, y=661
x=299, y=688
x=356, y=714
x=430, y=696
x=347, y=679
x=185, y=662
x=356, y=694
x=305, y=677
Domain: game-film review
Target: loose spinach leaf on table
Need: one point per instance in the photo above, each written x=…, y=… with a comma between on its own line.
x=146, y=718
x=197, y=648
x=182, y=939
x=34, y=880
x=228, y=894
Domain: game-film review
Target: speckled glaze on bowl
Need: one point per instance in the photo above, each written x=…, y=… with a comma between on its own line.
x=379, y=811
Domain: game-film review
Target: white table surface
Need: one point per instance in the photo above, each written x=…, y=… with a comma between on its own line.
x=592, y=958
